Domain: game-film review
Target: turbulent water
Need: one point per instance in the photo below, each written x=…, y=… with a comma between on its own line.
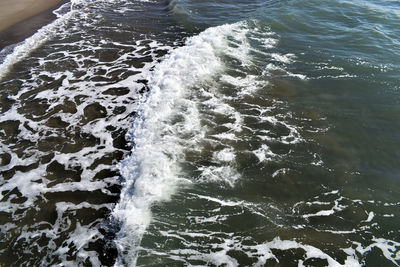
x=203, y=133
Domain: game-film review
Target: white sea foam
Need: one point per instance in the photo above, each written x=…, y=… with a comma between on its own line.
x=264, y=153
x=371, y=216
x=263, y=253
x=225, y=155
x=288, y=58
x=246, y=86
x=33, y=183
x=389, y=248
x=152, y=172
x=27, y=182
x=280, y=172
x=219, y=250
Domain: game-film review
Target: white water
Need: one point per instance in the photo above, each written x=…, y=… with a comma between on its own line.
x=66, y=62
x=152, y=172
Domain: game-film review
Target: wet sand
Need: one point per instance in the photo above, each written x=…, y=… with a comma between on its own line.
x=22, y=18
x=14, y=11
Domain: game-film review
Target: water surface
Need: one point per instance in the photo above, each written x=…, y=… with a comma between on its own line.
x=204, y=133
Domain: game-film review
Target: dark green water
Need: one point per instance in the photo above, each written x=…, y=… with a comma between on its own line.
x=258, y=133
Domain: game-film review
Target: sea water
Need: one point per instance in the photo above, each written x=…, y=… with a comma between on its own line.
x=203, y=133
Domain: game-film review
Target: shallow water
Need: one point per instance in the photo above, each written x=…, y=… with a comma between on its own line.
x=204, y=133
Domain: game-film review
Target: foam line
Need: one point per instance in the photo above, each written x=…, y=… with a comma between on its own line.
x=152, y=173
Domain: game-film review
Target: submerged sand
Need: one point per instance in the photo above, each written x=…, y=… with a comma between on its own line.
x=14, y=11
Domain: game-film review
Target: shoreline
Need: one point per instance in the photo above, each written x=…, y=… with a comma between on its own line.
x=20, y=19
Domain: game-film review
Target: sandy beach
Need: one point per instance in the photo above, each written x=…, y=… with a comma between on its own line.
x=14, y=11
